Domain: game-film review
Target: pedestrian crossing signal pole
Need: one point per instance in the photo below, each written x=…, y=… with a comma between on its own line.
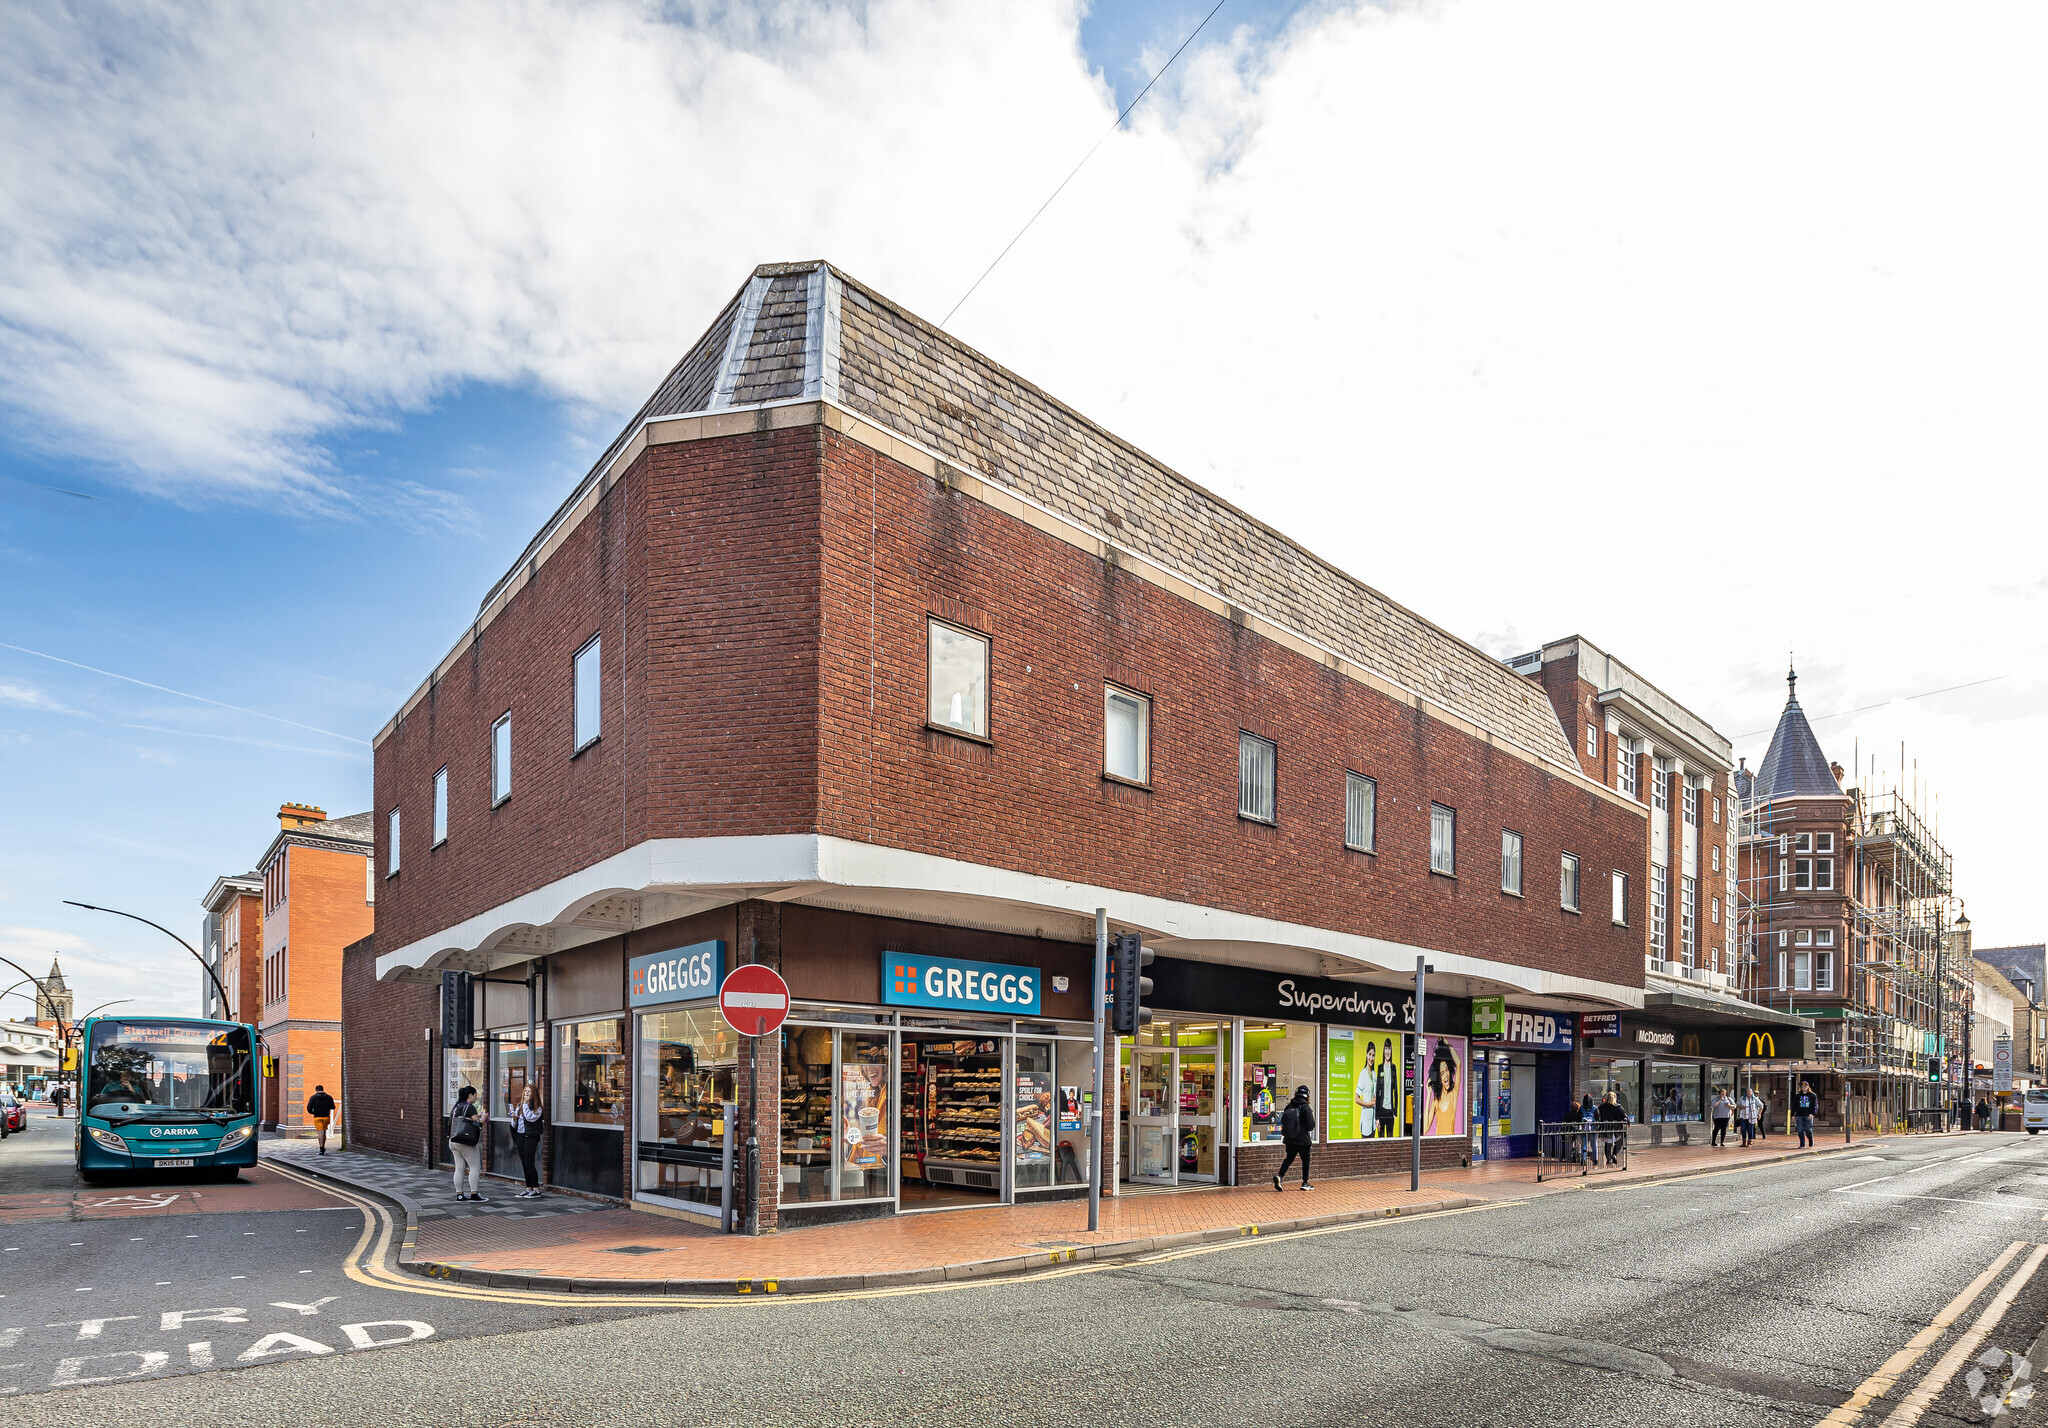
x=1101, y=985
x=1415, y=1102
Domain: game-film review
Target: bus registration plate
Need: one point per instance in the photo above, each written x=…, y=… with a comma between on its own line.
x=183, y=1164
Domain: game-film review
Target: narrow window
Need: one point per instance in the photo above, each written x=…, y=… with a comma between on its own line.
x=1823, y=971
x=1625, y=765
x=1126, y=735
x=501, y=760
x=1361, y=812
x=1510, y=862
x=1621, y=899
x=440, y=806
x=1443, y=840
x=1717, y=911
x=1784, y=875
x=1717, y=857
x=1717, y=810
x=1688, y=921
x=1689, y=804
x=589, y=705
x=1592, y=741
x=1658, y=911
x=1823, y=874
x=1802, y=874
x=1568, y=882
x=1658, y=796
x=1802, y=971
x=956, y=674
x=1255, y=761
x=391, y=848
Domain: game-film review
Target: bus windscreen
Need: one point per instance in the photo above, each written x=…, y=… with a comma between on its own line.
x=148, y=1068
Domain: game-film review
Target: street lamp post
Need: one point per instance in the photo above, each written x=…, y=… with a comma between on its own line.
x=166, y=932
x=102, y=1007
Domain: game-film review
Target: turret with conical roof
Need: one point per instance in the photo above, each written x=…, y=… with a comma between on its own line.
x=1794, y=766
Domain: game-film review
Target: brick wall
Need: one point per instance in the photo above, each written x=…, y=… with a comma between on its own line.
x=900, y=547
x=699, y=570
x=388, y=1086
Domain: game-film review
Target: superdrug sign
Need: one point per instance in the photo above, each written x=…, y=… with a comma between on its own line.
x=1209, y=987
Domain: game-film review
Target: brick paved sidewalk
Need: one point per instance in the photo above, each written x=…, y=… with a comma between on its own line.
x=432, y=1191
x=596, y=1246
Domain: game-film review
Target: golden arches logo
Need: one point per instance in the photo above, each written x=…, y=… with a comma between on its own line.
x=1760, y=1043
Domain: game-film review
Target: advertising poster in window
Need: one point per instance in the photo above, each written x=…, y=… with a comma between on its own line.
x=1445, y=1059
x=1377, y=1083
x=863, y=1115
x=1344, y=1107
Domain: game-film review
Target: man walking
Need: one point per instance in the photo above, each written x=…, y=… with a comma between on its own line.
x=1297, y=1133
x=57, y=1099
x=1804, y=1106
x=320, y=1106
x=1983, y=1114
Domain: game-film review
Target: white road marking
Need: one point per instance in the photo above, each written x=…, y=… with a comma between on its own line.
x=1929, y=1388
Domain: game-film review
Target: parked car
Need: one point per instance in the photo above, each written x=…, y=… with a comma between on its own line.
x=2034, y=1111
x=13, y=1114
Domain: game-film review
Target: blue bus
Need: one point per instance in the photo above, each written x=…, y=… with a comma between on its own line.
x=163, y=1094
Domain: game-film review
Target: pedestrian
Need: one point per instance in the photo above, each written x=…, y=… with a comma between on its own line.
x=1724, y=1112
x=1615, y=1119
x=465, y=1142
x=320, y=1106
x=1983, y=1114
x=526, y=1128
x=1804, y=1107
x=57, y=1100
x=1588, y=1148
x=1748, y=1111
x=1297, y=1133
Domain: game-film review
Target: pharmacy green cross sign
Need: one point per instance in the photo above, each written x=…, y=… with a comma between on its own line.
x=1488, y=1015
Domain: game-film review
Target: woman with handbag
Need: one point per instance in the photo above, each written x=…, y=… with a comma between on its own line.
x=526, y=1128
x=465, y=1141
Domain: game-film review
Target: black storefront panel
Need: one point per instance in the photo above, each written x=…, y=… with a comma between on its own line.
x=587, y=1158
x=1212, y=988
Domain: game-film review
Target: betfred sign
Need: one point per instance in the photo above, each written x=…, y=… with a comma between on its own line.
x=754, y=1000
x=1538, y=1030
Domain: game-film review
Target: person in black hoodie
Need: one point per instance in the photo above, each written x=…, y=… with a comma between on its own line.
x=1298, y=1134
x=1805, y=1106
x=1614, y=1125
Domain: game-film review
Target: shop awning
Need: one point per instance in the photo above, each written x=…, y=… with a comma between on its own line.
x=1693, y=1009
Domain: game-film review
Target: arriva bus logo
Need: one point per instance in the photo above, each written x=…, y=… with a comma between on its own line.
x=174, y=1130
x=1760, y=1044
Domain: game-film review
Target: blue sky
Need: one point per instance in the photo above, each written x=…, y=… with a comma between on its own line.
x=296, y=351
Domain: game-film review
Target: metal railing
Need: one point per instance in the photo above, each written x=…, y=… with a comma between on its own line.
x=1580, y=1148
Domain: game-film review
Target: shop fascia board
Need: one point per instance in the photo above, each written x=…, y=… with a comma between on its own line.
x=805, y=865
x=792, y=412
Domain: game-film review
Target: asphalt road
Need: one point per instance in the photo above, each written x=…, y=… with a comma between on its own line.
x=1766, y=1296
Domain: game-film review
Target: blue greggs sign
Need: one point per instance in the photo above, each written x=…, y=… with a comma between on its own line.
x=913, y=981
x=681, y=974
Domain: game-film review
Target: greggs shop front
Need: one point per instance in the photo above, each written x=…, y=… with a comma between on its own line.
x=926, y=1067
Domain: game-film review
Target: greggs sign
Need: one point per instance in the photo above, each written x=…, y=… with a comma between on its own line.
x=912, y=981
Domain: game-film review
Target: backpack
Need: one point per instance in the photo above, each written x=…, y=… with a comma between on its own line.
x=1290, y=1122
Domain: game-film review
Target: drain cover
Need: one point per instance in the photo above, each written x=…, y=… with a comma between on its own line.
x=634, y=1249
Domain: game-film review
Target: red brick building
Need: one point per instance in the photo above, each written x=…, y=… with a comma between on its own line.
x=232, y=935
x=317, y=897
x=860, y=656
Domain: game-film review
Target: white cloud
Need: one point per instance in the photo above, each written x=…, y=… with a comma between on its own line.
x=1708, y=333
x=27, y=696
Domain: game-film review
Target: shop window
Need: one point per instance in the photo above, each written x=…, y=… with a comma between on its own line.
x=592, y=1086
x=1510, y=862
x=1443, y=840
x=1126, y=735
x=460, y=1066
x=863, y=1135
x=1568, y=882
x=508, y=1084
x=501, y=760
x=1675, y=1092
x=806, y=1114
x=1622, y=1079
x=956, y=664
x=1035, y=1113
x=1361, y=812
x=689, y=1070
x=1256, y=761
x=440, y=806
x=838, y=1126
x=1278, y=1056
x=1367, y=1077
x=588, y=702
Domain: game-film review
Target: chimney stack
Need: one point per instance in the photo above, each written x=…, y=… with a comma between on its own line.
x=298, y=815
x=1838, y=771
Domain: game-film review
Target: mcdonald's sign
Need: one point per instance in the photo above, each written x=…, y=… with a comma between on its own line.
x=1760, y=1043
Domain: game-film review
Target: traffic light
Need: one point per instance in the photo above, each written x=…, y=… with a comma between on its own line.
x=1127, y=1000
x=1934, y=1068
x=457, y=1006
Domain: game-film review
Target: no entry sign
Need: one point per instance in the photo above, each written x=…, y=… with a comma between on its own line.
x=754, y=1000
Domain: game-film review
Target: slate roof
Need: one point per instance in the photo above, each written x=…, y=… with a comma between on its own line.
x=356, y=826
x=805, y=330
x=1794, y=766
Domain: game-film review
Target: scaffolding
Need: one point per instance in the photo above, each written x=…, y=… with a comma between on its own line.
x=1898, y=992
